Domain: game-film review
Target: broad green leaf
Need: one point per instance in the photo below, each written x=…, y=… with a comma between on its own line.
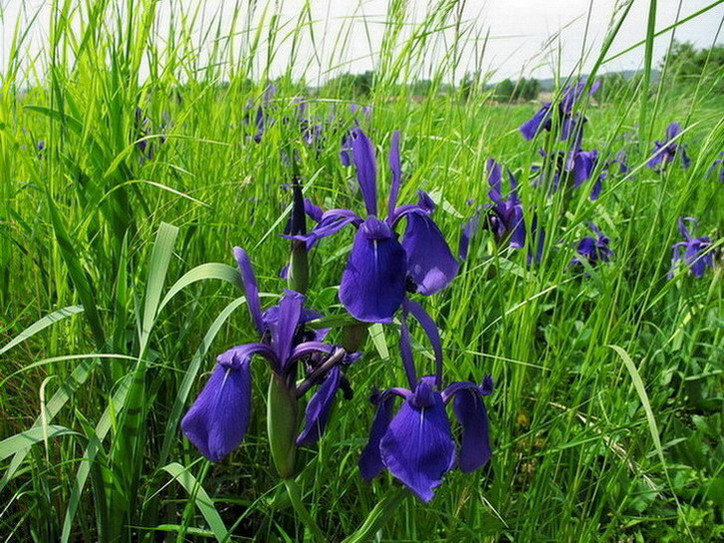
x=200, y=497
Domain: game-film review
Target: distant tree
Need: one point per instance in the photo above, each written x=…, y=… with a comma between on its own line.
x=529, y=89
x=687, y=65
x=504, y=90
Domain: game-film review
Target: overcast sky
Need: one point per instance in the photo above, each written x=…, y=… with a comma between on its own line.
x=518, y=30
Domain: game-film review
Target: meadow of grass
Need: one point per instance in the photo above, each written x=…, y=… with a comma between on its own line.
x=606, y=420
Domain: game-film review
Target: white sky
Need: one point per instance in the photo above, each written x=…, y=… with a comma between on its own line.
x=518, y=30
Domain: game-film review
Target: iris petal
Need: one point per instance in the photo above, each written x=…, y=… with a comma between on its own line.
x=370, y=463
x=217, y=421
x=475, y=448
x=363, y=153
x=373, y=283
x=418, y=447
x=319, y=408
x=430, y=263
x=251, y=290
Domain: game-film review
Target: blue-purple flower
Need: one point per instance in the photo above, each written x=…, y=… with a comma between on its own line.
x=416, y=443
x=381, y=269
x=593, y=249
x=217, y=421
x=504, y=218
x=696, y=251
x=666, y=151
x=547, y=116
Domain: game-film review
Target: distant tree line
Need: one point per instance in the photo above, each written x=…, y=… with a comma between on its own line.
x=687, y=65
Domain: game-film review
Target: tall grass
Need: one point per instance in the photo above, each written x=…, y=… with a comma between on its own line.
x=117, y=290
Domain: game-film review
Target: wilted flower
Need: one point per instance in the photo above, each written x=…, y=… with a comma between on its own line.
x=504, y=218
x=593, y=250
x=697, y=255
x=570, y=123
x=416, y=444
x=666, y=151
x=380, y=269
x=217, y=421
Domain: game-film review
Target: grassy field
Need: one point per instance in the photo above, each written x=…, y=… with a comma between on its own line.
x=606, y=419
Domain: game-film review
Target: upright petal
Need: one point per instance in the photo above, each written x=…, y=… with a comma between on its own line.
x=251, y=290
x=373, y=283
x=418, y=447
x=218, y=419
x=319, y=408
x=363, y=153
x=470, y=410
x=396, y=168
x=673, y=130
x=284, y=330
x=430, y=262
x=495, y=177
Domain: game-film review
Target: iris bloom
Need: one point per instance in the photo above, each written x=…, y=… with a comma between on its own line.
x=570, y=123
x=697, y=255
x=416, y=444
x=504, y=218
x=381, y=269
x=583, y=163
x=593, y=250
x=666, y=151
x=217, y=421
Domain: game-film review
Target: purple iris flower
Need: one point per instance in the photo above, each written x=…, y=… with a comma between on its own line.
x=380, y=269
x=697, y=255
x=666, y=151
x=217, y=421
x=416, y=444
x=593, y=250
x=504, y=218
x=620, y=160
x=570, y=123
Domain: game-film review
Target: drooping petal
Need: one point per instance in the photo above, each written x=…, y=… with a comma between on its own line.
x=597, y=187
x=470, y=410
x=430, y=262
x=696, y=258
x=314, y=211
x=517, y=238
x=539, y=121
x=370, y=462
x=363, y=153
x=418, y=447
x=319, y=407
x=396, y=168
x=251, y=290
x=373, y=283
x=217, y=421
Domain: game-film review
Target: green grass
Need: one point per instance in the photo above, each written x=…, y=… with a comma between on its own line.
x=607, y=415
